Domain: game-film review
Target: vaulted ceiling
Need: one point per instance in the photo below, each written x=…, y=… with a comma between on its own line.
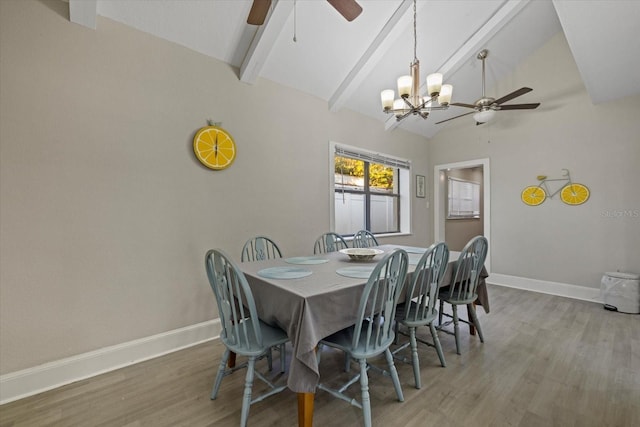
x=347, y=64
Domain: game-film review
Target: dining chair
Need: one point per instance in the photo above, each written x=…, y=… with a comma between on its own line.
x=243, y=333
x=419, y=306
x=329, y=242
x=373, y=332
x=364, y=239
x=463, y=288
x=260, y=248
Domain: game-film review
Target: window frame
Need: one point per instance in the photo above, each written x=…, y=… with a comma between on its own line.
x=403, y=195
x=455, y=198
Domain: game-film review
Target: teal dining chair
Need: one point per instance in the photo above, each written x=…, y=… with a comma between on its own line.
x=329, y=242
x=364, y=239
x=373, y=332
x=463, y=288
x=242, y=331
x=260, y=248
x=419, y=306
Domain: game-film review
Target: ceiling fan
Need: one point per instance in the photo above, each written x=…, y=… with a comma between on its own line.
x=350, y=9
x=485, y=108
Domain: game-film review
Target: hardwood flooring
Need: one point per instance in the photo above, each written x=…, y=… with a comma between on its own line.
x=546, y=361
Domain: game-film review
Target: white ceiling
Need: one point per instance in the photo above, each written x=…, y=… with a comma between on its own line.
x=347, y=64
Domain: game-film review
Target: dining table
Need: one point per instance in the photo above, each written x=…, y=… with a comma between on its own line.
x=313, y=296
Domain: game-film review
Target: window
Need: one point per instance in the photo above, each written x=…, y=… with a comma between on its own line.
x=464, y=199
x=370, y=192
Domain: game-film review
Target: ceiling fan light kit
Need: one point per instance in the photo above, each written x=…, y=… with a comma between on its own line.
x=410, y=101
x=484, y=116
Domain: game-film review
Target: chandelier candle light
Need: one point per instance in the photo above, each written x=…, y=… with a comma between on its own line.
x=410, y=101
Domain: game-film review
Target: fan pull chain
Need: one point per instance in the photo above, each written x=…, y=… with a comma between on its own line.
x=294, y=22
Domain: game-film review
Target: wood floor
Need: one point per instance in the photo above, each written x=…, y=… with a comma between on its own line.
x=546, y=361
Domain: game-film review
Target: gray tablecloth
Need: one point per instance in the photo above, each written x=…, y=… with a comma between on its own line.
x=313, y=307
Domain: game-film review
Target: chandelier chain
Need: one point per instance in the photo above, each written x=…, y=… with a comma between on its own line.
x=415, y=36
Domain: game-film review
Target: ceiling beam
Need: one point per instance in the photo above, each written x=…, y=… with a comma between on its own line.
x=83, y=12
x=473, y=45
x=264, y=40
x=374, y=53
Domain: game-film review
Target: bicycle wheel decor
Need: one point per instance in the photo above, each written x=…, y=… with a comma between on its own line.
x=533, y=195
x=574, y=194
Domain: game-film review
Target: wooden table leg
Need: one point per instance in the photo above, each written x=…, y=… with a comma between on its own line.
x=231, y=363
x=305, y=409
x=472, y=329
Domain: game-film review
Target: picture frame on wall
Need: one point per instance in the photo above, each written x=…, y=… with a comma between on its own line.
x=420, y=187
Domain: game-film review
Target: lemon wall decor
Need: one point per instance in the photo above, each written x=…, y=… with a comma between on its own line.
x=571, y=193
x=214, y=147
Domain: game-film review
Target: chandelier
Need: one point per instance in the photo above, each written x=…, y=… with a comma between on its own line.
x=410, y=101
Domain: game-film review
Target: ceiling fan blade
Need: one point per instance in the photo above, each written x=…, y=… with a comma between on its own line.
x=350, y=9
x=519, y=106
x=258, y=12
x=460, y=104
x=461, y=115
x=514, y=94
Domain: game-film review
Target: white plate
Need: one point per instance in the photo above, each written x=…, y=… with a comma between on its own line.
x=360, y=272
x=361, y=254
x=306, y=260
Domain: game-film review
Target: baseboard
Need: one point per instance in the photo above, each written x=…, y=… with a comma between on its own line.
x=27, y=382
x=20, y=384
x=545, y=287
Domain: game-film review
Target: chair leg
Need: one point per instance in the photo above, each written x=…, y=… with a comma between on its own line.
x=414, y=357
x=364, y=387
x=456, y=327
x=246, y=400
x=270, y=359
x=283, y=358
x=474, y=319
x=347, y=362
x=436, y=343
x=394, y=374
x=220, y=375
x=440, y=313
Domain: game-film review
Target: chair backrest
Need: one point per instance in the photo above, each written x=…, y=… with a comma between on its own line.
x=260, y=248
x=236, y=306
x=329, y=242
x=378, y=302
x=425, y=283
x=364, y=239
x=467, y=269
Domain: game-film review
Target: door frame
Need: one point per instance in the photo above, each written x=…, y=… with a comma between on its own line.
x=439, y=215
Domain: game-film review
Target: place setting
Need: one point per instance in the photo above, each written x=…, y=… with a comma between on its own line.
x=284, y=272
x=307, y=260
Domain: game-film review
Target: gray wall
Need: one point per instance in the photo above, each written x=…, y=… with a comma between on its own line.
x=599, y=144
x=105, y=213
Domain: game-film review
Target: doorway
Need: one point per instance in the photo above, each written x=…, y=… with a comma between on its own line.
x=439, y=205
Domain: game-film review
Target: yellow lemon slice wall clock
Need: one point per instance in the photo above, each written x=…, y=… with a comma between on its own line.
x=214, y=147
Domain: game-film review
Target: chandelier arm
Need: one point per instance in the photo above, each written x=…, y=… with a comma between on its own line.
x=438, y=108
x=398, y=118
x=409, y=104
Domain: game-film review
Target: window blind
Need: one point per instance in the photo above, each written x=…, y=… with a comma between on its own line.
x=373, y=158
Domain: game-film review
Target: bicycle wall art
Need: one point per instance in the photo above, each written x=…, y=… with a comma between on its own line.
x=571, y=193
